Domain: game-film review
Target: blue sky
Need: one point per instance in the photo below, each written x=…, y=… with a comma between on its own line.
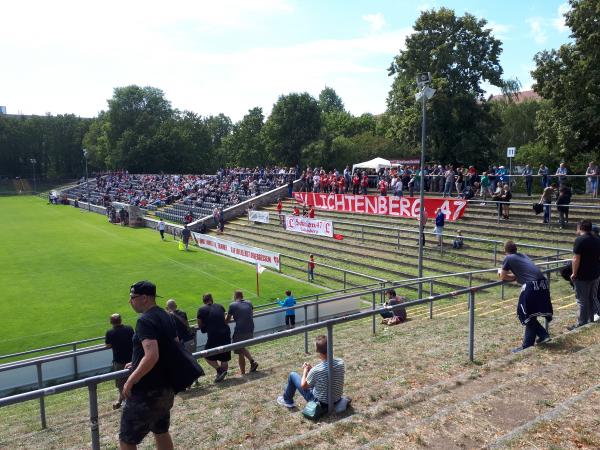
x=227, y=56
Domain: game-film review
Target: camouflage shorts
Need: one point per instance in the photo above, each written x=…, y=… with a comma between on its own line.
x=146, y=412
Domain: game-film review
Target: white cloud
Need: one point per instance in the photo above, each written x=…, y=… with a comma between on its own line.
x=426, y=6
x=500, y=30
x=537, y=29
x=559, y=21
x=375, y=21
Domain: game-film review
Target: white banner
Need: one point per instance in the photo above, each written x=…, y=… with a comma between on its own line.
x=258, y=216
x=305, y=225
x=240, y=251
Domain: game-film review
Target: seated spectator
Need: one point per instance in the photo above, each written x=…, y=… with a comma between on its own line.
x=396, y=315
x=313, y=383
x=458, y=240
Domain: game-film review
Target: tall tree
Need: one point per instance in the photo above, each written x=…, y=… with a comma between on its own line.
x=295, y=121
x=329, y=101
x=569, y=78
x=245, y=146
x=461, y=54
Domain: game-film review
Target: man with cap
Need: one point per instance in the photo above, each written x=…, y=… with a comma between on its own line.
x=118, y=339
x=148, y=393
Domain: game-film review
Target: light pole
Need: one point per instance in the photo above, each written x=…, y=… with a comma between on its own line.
x=426, y=93
x=87, y=182
x=33, y=161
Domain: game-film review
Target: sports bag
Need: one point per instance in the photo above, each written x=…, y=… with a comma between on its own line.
x=182, y=369
x=313, y=410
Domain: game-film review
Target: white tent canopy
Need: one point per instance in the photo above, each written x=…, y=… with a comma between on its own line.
x=376, y=164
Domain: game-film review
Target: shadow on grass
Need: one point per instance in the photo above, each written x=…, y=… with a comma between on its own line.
x=207, y=389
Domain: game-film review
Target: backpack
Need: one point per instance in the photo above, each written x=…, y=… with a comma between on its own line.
x=182, y=368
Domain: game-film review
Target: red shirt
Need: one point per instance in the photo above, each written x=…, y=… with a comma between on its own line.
x=296, y=211
x=382, y=187
x=356, y=180
x=279, y=207
x=311, y=264
x=365, y=181
x=311, y=213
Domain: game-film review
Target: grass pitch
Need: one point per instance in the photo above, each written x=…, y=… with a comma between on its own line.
x=63, y=271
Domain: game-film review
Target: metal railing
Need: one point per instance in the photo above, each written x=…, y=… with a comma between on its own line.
x=92, y=382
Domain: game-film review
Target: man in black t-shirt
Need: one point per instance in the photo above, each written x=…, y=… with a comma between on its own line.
x=119, y=339
x=148, y=392
x=586, y=272
x=211, y=320
x=182, y=327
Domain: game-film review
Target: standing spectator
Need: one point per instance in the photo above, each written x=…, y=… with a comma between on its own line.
x=382, y=187
x=422, y=224
x=543, y=173
x=355, y=183
x=290, y=186
x=241, y=311
x=439, y=225
x=311, y=268
x=215, y=215
x=528, y=175
x=161, y=229
x=182, y=326
x=279, y=212
x=296, y=210
x=561, y=173
x=118, y=339
x=546, y=200
x=449, y=181
x=534, y=300
x=185, y=236
x=211, y=320
x=592, y=179
x=586, y=272
x=148, y=393
x=459, y=183
x=311, y=212
x=314, y=382
x=505, y=198
x=364, y=184
x=564, y=198
x=221, y=220
x=485, y=186
x=290, y=314
x=411, y=186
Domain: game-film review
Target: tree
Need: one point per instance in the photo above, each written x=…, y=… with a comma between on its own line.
x=245, y=146
x=517, y=124
x=295, y=121
x=329, y=101
x=569, y=78
x=461, y=54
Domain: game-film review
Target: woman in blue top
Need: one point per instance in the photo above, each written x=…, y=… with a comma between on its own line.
x=290, y=314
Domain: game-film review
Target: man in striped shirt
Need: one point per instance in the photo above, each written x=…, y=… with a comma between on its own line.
x=312, y=385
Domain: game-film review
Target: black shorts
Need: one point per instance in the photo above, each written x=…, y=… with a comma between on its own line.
x=218, y=341
x=237, y=337
x=290, y=320
x=146, y=412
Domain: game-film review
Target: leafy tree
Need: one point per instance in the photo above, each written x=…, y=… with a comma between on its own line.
x=295, y=121
x=330, y=102
x=461, y=54
x=569, y=77
x=517, y=125
x=245, y=146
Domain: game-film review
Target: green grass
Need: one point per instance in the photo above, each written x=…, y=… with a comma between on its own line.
x=64, y=271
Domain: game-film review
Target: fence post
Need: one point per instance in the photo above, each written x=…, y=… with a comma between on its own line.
x=441, y=245
x=373, y=303
x=470, y=279
x=345, y=279
x=362, y=233
x=502, y=291
x=94, y=429
x=306, y=332
x=40, y=381
x=471, y=324
x=75, y=368
x=398, y=245
x=330, y=368
x=316, y=311
x=431, y=299
x=495, y=253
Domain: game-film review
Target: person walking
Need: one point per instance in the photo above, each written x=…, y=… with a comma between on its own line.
x=534, y=299
x=161, y=229
x=564, y=199
x=182, y=326
x=311, y=268
x=586, y=272
x=241, y=312
x=118, y=339
x=185, y=236
x=211, y=321
x=148, y=393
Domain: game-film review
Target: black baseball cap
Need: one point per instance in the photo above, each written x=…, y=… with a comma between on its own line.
x=144, y=287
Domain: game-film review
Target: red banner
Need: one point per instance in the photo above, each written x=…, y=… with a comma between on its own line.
x=383, y=206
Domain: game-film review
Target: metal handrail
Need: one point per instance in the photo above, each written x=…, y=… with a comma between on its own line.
x=92, y=382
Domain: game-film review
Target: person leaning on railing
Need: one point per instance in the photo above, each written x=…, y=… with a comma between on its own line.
x=534, y=300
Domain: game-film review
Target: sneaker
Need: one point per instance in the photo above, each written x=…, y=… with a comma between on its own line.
x=253, y=366
x=517, y=350
x=596, y=318
x=573, y=327
x=220, y=376
x=543, y=341
x=281, y=401
x=116, y=405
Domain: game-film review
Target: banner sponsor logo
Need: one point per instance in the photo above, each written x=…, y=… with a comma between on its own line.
x=246, y=253
x=305, y=225
x=383, y=206
x=258, y=216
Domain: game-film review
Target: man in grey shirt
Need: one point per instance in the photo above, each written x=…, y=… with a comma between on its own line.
x=241, y=311
x=534, y=300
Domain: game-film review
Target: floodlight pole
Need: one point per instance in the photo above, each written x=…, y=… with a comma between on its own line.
x=422, y=191
x=33, y=161
x=87, y=181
